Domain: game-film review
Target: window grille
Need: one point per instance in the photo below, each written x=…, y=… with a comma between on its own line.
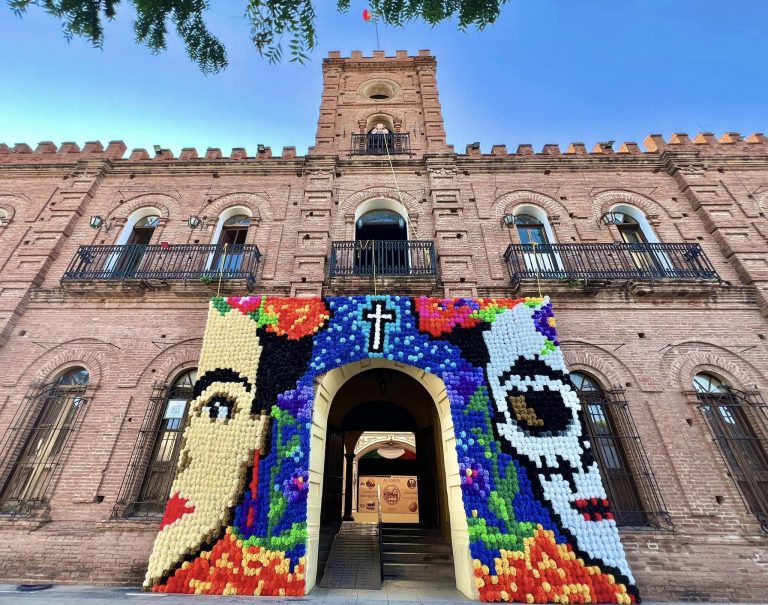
x=633, y=492
x=738, y=422
x=33, y=447
x=152, y=467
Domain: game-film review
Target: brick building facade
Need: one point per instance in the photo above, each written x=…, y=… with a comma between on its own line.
x=685, y=295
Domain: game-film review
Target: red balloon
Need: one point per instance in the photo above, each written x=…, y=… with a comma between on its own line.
x=367, y=14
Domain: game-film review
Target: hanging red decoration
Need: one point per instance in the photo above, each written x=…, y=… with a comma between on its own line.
x=367, y=15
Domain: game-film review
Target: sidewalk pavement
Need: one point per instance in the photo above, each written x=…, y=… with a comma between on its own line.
x=403, y=593
x=392, y=592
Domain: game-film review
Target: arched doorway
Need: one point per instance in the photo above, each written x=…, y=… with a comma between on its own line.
x=383, y=400
x=382, y=395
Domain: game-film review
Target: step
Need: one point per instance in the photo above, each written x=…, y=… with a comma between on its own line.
x=418, y=571
x=417, y=557
x=412, y=539
x=409, y=528
x=438, y=547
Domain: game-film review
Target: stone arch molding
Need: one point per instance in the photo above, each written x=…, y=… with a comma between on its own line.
x=365, y=115
x=326, y=387
x=373, y=445
x=166, y=204
x=167, y=362
x=683, y=361
x=603, y=365
x=12, y=203
x=349, y=205
x=45, y=367
x=603, y=201
x=257, y=204
x=507, y=203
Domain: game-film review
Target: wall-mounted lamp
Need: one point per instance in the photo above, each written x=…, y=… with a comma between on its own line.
x=194, y=221
x=508, y=220
x=611, y=218
x=97, y=222
x=158, y=149
x=261, y=148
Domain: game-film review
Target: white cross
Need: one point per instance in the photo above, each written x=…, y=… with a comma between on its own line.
x=378, y=316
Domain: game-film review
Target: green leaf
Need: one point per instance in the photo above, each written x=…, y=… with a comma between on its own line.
x=269, y=20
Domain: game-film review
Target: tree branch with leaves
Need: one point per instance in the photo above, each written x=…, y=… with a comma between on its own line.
x=273, y=23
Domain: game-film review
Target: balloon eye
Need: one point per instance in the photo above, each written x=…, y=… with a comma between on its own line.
x=218, y=408
x=522, y=413
x=539, y=413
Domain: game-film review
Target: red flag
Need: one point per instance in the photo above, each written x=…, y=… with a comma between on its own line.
x=367, y=16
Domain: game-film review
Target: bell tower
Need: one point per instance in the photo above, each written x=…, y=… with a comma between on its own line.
x=392, y=98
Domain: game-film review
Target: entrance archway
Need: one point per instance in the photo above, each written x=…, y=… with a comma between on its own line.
x=346, y=400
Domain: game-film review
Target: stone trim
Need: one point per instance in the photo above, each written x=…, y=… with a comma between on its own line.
x=683, y=361
x=602, y=202
x=506, y=203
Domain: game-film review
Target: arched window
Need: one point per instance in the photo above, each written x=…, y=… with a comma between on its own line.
x=629, y=482
x=634, y=229
x=607, y=444
x=229, y=238
x=134, y=239
x=536, y=234
x=629, y=229
x=530, y=229
x=54, y=407
x=737, y=421
x=165, y=441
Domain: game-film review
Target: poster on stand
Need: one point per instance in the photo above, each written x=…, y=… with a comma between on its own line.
x=399, y=494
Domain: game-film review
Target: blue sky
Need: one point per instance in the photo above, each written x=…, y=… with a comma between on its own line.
x=554, y=71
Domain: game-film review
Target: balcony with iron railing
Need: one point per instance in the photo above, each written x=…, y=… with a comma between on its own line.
x=381, y=144
x=400, y=265
x=160, y=264
x=600, y=264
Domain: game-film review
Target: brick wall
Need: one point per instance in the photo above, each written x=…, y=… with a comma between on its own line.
x=650, y=340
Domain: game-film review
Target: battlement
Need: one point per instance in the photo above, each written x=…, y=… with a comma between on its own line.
x=730, y=143
x=48, y=153
x=377, y=55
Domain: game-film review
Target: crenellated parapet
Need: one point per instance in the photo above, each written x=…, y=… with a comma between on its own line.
x=705, y=143
x=47, y=152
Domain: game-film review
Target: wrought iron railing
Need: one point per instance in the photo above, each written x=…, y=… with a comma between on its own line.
x=385, y=258
x=33, y=446
x=164, y=262
x=635, y=498
x=608, y=261
x=381, y=144
x=738, y=422
x=152, y=467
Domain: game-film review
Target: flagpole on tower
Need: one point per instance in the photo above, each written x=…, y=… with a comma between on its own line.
x=370, y=16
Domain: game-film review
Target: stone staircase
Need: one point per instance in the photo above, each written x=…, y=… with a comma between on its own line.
x=411, y=552
x=354, y=560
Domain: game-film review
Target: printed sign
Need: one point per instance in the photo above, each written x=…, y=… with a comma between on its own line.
x=175, y=408
x=399, y=495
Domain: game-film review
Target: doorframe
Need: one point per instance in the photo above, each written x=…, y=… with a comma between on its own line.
x=326, y=388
